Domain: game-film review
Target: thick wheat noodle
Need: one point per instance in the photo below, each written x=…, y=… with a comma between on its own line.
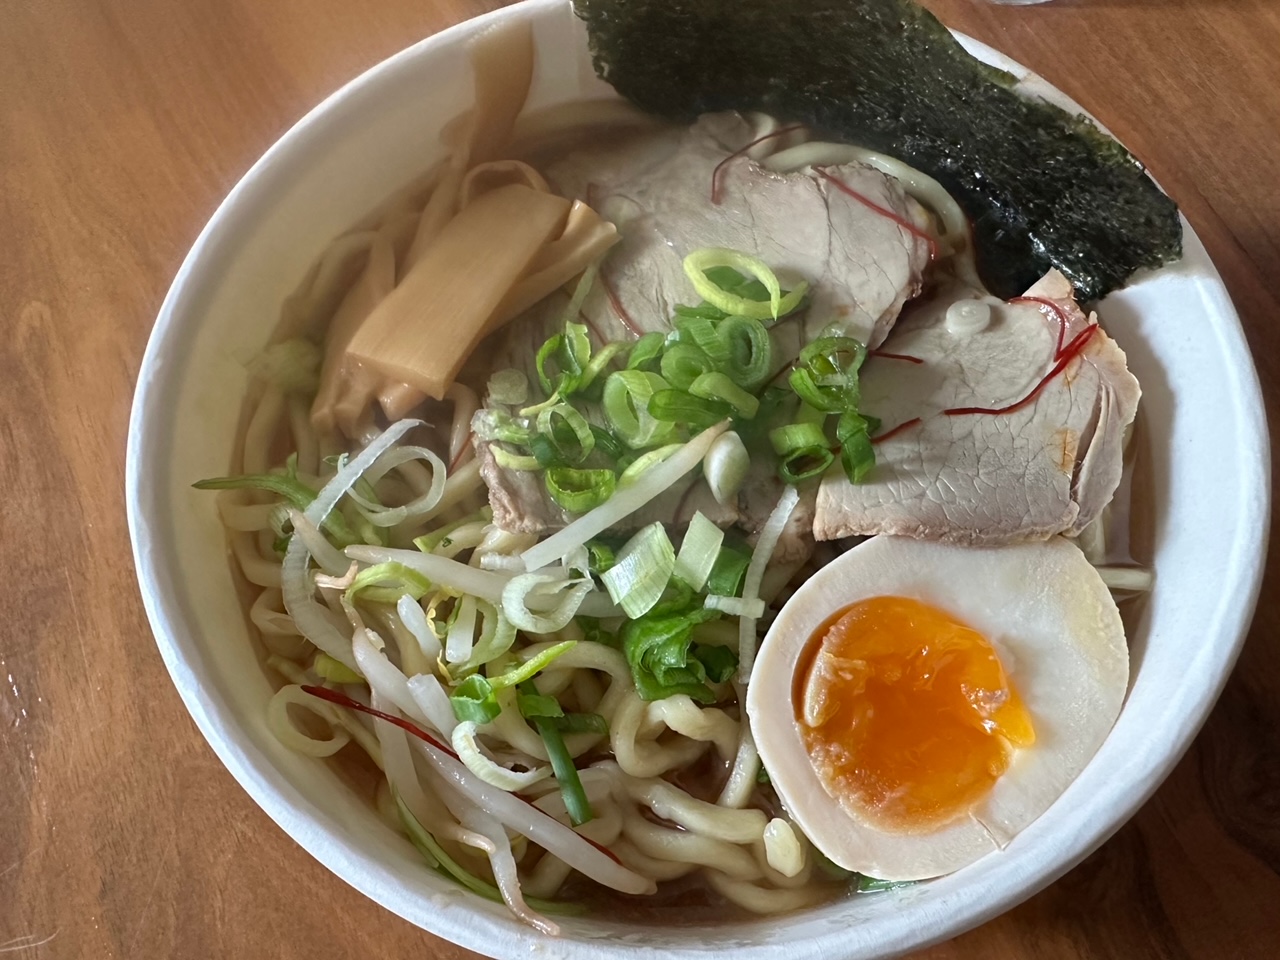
x=778, y=879
x=662, y=843
x=244, y=517
x=305, y=441
x=758, y=899
x=651, y=867
x=550, y=873
x=646, y=758
x=741, y=783
x=465, y=405
x=681, y=714
x=261, y=431
x=287, y=732
x=268, y=614
x=256, y=568
x=696, y=816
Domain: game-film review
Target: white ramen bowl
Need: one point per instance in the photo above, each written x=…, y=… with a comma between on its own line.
x=1209, y=459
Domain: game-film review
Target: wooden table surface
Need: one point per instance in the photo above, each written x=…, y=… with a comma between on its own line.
x=122, y=124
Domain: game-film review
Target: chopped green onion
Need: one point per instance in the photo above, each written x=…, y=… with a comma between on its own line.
x=703, y=333
x=568, y=431
x=578, y=491
x=509, y=386
x=496, y=425
x=647, y=461
x=680, y=407
x=857, y=455
x=796, y=436
x=335, y=671
x=473, y=699
x=581, y=723
x=699, y=262
x=643, y=568
x=719, y=662
x=750, y=352
x=762, y=776
x=726, y=466
x=626, y=405
x=532, y=666
x=718, y=386
x=683, y=363
x=805, y=464
x=676, y=599
x=698, y=551
x=610, y=446
x=600, y=557
x=545, y=352
x=828, y=867
x=824, y=399
x=872, y=885
x=657, y=650
x=597, y=364
x=645, y=350
x=387, y=583
x=544, y=451
x=575, y=798
x=728, y=571
x=287, y=486
x=803, y=451
x=534, y=704
x=514, y=461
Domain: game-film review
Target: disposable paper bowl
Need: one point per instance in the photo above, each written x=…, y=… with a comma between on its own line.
x=1209, y=459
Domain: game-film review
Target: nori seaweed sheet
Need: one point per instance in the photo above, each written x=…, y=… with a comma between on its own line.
x=1042, y=187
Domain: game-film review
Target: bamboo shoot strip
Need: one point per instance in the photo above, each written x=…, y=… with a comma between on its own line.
x=424, y=330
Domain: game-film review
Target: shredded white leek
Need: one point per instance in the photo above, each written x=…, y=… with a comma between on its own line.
x=540, y=589
x=699, y=549
x=736, y=606
x=283, y=728
x=468, y=750
x=697, y=263
x=642, y=571
x=726, y=466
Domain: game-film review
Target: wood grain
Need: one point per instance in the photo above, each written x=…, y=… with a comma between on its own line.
x=122, y=124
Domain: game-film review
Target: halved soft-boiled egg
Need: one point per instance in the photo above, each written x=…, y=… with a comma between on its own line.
x=917, y=704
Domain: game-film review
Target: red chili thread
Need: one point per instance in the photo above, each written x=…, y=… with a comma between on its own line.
x=462, y=452
x=903, y=222
x=715, y=174
x=1069, y=353
x=334, y=696
x=618, y=308
x=894, y=356
x=906, y=425
x=1063, y=320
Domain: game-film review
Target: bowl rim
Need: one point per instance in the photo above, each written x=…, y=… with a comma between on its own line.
x=344, y=856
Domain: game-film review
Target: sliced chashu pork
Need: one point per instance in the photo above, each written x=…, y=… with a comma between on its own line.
x=656, y=186
x=1049, y=467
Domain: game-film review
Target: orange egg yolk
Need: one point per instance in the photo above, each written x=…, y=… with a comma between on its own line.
x=907, y=712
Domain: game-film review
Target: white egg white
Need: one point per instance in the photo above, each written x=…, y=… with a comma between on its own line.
x=1059, y=636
